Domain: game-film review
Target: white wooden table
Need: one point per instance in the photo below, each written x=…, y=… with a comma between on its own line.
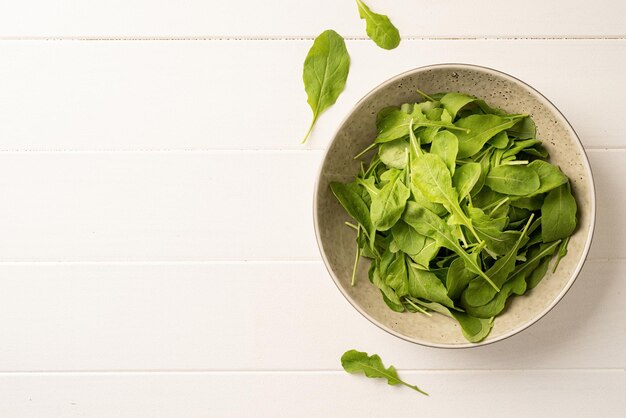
x=157, y=254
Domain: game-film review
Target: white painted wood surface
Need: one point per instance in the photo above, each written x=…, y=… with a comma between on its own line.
x=262, y=316
x=287, y=18
x=530, y=393
x=157, y=255
x=199, y=95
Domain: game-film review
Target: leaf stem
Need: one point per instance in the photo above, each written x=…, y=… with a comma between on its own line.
x=356, y=258
x=468, y=223
x=420, y=309
x=310, y=129
x=446, y=126
x=502, y=202
x=353, y=226
x=424, y=95
x=375, y=161
x=496, y=203
x=415, y=142
x=515, y=162
x=414, y=388
x=562, y=253
x=365, y=150
x=364, y=184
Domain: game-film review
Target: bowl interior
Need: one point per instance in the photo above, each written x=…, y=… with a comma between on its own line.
x=337, y=242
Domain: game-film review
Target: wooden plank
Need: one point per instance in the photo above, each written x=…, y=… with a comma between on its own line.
x=157, y=206
x=262, y=316
x=328, y=394
x=249, y=94
x=117, y=18
x=196, y=206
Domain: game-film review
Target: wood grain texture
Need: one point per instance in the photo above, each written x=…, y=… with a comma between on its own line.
x=283, y=18
x=162, y=95
x=263, y=316
x=335, y=394
x=195, y=206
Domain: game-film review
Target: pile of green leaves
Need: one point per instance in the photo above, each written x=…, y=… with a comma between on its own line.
x=458, y=209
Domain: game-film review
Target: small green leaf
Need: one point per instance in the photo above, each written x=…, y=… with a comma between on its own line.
x=378, y=27
x=481, y=129
x=325, y=73
x=519, y=146
x=424, y=284
x=354, y=361
x=550, y=176
x=350, y=198
x=388, y=205
x=453, y=102
x=465, y=178
x=517, y=180
x=427, y=253
x=380, y=283
x=474, y=329
x=536, y=275
x=558, y=214
x=498, y=302
x=407, y=238
x=446, y=145
x=458, y=278
x=394, y=154
x=500, y=140
x=562, y=253
x=524, y=129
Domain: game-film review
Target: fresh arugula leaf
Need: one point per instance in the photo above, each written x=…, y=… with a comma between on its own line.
x=481, y=128
x=388, y=205
x=446, y=145
x=325, y=73
x=354, y=361
x=425, y=284
x=465, y=178
x=378, y=27
x=431, y=176
x=562, y=253
x=558, y=214
x=516, y=180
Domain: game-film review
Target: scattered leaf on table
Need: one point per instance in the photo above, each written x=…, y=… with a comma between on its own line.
x=378, y=27
x=325, y=73
x=354, y=361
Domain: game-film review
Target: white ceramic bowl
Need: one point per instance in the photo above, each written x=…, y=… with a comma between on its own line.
x=336, y=241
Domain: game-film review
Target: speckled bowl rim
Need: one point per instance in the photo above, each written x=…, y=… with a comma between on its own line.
x=592, y=208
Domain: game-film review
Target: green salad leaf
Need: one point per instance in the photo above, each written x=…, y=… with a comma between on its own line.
x=325, y=73
x=354, y=361
x=378, y=27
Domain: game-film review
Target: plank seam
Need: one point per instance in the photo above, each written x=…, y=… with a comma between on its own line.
x=277, y=38
x=302, y=371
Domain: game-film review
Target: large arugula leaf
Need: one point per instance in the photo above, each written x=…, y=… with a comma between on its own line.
x=325, y=73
